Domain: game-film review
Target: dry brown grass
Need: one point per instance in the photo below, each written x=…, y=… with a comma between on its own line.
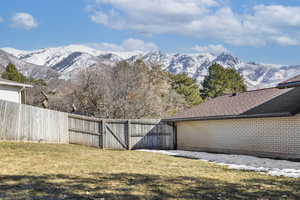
x=43, y=171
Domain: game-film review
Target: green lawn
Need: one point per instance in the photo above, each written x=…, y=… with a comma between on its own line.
x=42, y=171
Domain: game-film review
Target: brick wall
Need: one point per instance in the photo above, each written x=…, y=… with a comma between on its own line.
x=268, y=137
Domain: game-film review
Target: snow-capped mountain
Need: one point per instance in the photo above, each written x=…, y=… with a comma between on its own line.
x=28, y=69
x=196, y=66
x=51, y=56
x=68, y=60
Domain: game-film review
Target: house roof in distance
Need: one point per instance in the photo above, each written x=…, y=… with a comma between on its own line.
x=269, y=102
x=292, y=82
x=13, y=83
x=293, y=79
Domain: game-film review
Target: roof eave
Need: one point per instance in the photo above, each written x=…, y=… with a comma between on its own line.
x=224, y=117
x=288, y=85
x=15, y=84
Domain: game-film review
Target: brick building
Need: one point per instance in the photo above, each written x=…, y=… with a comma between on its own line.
x=263, y=122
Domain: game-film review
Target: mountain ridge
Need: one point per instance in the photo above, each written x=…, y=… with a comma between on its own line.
x=64, y=62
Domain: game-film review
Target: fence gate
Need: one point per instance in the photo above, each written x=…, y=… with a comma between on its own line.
x=85, y=131
x=116, y=134
x=121, y=134
x=152, y=134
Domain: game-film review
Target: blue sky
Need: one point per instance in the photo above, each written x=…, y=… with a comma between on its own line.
x=265, y=31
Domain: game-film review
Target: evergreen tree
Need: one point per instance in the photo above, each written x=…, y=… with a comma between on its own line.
x=13, y=74
x=187, y=87
x=221, y=81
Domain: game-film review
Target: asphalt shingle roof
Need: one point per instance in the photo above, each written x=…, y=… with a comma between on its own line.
x=257, y=102
x=294, y=79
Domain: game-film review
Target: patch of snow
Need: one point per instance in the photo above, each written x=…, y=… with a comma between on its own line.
x=241, y=162
x=15, y=52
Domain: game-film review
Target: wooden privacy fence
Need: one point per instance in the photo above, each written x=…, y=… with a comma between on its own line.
x=27, y=123
x=121, y=134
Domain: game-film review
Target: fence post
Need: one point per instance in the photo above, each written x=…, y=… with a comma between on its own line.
x=129, y=134
x=103, y=133
x=69, y=127
x=174, y=136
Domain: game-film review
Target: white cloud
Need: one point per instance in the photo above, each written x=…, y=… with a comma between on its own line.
x=24, y=21
x=100, y=18
x=162, y=7
x=205, y=19
x=1, y=19
x=142, y=14
x=214, y=49
x=130, y=44
x=277, y=15
x=136, y=44
x=285, y=41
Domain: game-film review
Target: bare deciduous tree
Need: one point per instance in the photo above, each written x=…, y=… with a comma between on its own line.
x=125, y=90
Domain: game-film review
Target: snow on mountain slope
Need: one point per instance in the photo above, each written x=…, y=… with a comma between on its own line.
x=53, y=56
x=197, y=65
x=68, y=60
x=15, y=52
x=28, y=69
